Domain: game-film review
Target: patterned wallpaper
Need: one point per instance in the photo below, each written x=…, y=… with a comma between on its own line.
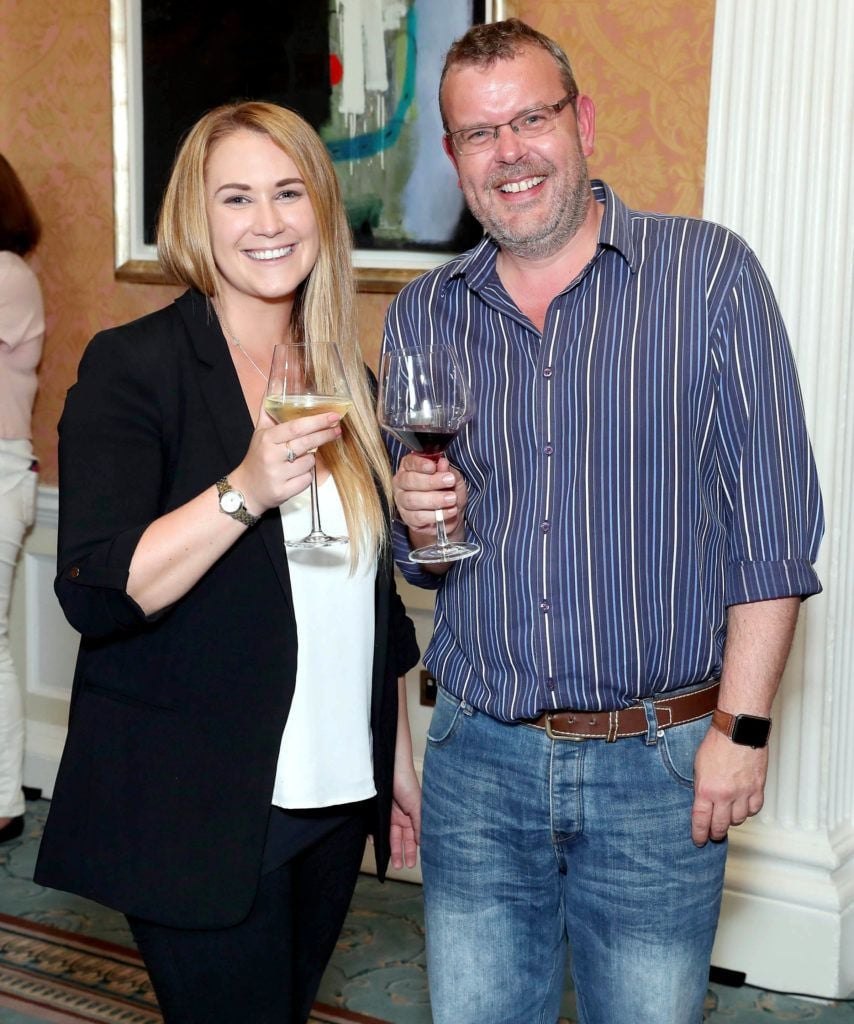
x=647, y=66
x=56, y=123
x=645, y=62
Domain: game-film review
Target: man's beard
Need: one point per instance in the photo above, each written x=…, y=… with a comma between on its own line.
x=567, y=214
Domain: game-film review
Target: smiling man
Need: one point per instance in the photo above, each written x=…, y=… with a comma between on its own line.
x=640, y=483
x=528, y=186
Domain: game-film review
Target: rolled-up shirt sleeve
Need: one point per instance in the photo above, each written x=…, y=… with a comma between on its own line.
x=770, y=485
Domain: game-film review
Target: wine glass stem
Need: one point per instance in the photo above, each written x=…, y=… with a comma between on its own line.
x=441, y=532
x=316, y=528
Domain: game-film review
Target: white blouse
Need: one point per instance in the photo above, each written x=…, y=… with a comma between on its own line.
x=325, y=756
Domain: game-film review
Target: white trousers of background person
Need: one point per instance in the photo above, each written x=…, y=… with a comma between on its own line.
x=18, y=484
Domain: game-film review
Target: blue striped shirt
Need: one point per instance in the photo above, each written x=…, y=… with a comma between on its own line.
x=634, y=470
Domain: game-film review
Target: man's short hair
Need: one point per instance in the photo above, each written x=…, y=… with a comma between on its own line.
x=484, y=45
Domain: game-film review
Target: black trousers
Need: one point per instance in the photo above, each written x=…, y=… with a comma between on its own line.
x=267, y=968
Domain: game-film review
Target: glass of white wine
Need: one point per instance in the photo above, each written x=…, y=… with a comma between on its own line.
x=307, y=379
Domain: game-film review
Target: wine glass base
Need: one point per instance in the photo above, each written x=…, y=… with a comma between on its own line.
x=436, y=553
x=316, y=540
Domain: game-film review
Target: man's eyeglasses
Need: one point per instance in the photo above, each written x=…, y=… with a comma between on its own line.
x=528, y=124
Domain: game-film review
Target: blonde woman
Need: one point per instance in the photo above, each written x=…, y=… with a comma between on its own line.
x=209, y=654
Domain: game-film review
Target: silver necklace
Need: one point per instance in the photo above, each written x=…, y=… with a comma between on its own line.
x=229, y=334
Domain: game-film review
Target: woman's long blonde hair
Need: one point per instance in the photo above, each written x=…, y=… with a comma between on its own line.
x=325, y=304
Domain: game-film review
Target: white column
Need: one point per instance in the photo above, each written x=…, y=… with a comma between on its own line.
x=779, y=171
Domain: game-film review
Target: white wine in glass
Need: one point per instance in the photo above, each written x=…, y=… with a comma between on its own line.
x=305, y=380
x=424, y=401
x=283, y=408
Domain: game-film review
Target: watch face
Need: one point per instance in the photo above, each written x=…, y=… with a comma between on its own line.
x=750, y=731
x=231, y=501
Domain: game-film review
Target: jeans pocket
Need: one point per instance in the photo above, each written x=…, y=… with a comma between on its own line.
x=678, y=746
x=446, y=716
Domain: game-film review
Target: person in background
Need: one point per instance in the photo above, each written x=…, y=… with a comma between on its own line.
x=206, y=650
x=21, y=339
x=640, y=481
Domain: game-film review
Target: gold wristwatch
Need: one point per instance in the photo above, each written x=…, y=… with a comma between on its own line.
x=232, y=504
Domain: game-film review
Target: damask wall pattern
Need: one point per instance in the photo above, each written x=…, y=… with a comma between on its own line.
x=56, y=116
x=645, y=62
x=647, y=66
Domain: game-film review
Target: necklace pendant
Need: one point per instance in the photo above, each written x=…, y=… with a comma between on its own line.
x=228, y=333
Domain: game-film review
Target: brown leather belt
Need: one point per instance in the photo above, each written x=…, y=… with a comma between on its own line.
x=631, y=721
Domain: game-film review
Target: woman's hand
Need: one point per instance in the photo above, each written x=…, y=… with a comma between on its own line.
x=177, y=549
x=405, y=832
x=280, y=458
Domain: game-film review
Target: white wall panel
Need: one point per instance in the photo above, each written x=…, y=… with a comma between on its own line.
x=779, y=172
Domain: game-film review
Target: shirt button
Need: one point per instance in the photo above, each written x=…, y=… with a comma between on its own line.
x=74, y=573
x=545, y=527
x=544, y=606
x=548, y=371
x=548, y=449
x=550, y=683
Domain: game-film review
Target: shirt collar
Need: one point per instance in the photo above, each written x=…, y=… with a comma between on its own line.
x=478, y=264
x=615, y=230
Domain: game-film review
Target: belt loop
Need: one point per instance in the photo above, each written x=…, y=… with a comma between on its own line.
x=651, y=722
x=613, y=726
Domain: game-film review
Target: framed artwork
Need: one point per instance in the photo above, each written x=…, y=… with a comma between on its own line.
x=364, y=73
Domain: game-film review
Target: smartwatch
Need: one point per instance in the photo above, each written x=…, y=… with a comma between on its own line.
x=745, y=730
x=232, y=504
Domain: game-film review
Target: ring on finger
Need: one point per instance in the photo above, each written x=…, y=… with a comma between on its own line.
x=291, y=453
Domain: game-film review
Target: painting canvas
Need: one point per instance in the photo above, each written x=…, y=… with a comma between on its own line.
x=364, y=73
x=384, y=130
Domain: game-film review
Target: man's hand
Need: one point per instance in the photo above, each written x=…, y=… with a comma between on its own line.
x=729, y=779
x=729, y=786
x=421, y=487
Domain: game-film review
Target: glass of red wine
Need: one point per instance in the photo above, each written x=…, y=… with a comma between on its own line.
x=424, y=400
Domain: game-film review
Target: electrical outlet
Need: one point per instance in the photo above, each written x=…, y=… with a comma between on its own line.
x=428, y=689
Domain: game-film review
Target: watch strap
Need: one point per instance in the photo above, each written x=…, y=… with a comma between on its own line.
x=723, y=721
x=241, y=514
x=735, y=726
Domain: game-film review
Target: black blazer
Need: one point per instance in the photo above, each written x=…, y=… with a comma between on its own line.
x=161, y=805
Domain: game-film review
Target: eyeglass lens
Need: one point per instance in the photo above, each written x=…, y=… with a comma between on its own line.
x=529, y=123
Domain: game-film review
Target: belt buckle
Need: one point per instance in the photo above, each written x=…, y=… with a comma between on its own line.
x=552, y=735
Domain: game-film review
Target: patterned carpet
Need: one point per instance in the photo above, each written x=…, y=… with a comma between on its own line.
x=377, y=972
x=52, y=975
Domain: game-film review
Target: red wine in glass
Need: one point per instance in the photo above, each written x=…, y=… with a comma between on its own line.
x=424, y=400
x=425, y=441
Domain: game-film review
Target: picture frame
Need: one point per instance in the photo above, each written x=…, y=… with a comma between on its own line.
x=378, y=269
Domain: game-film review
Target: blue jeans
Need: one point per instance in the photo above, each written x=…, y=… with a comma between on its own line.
x=530, y=844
